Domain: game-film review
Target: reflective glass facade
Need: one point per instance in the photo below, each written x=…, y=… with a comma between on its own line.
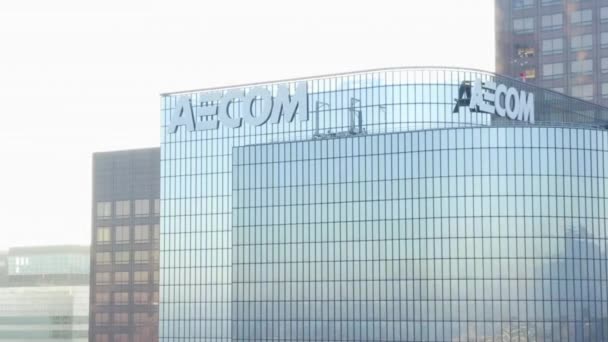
x=438, y=235
x=46, y=266
x=204, y=296
x=48, y=263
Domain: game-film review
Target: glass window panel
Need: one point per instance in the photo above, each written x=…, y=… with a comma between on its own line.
x=141, y=233
x=104, y=209
x=142, y=207
x=122, y=234
x=523, y=25
x=123, y=208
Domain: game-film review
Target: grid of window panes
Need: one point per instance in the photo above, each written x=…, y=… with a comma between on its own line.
x=563, y=32
x=196, y=172
x=125, y=246
x=467, y=234
x=126, y=258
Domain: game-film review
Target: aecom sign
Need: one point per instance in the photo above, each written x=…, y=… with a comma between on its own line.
x=216, y=108
x=258, y=106
x=496, y=98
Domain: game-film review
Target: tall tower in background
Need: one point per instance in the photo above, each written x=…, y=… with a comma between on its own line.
x=125, y=246
x=557, y=44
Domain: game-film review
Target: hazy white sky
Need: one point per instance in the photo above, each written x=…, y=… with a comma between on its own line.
x=83, y=76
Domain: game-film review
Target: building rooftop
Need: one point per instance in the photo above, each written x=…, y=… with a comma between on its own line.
x=45, y=265
x=552, y=108
x=56, y=249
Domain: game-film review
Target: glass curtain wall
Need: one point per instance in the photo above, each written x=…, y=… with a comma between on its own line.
x=196, y=172
x=439, y=235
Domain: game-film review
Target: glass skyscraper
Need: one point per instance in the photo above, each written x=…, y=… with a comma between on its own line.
x=397, y=211
x=421, y=236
